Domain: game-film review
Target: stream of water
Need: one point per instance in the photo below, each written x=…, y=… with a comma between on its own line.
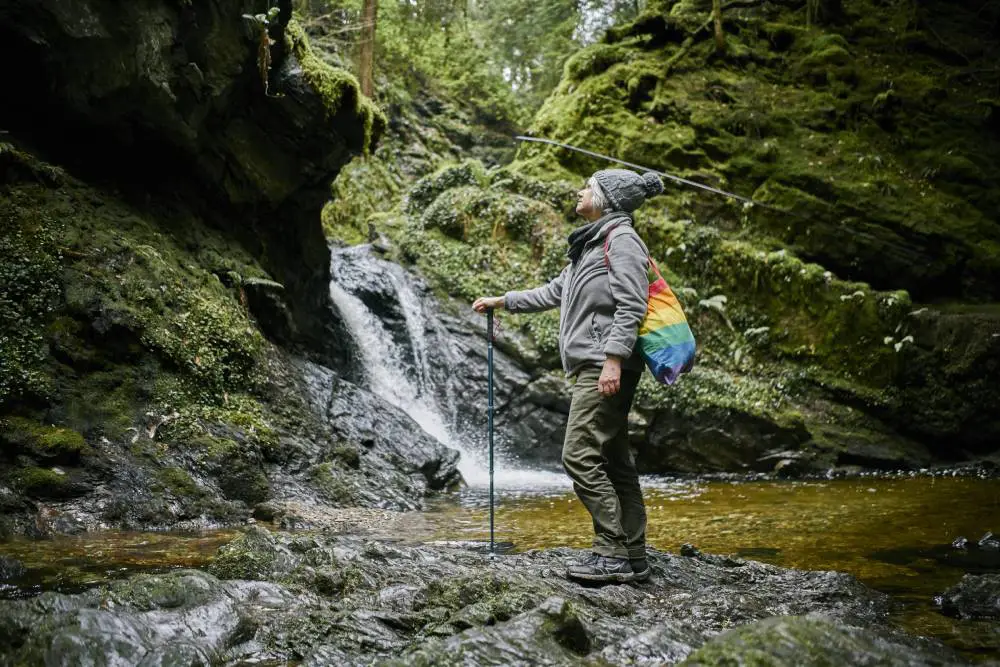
x=398, y=371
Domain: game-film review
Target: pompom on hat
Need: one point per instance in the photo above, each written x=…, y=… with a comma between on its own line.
x=627, y=190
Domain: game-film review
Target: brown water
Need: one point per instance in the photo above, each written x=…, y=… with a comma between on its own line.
x=893, y=534
x=70, y=564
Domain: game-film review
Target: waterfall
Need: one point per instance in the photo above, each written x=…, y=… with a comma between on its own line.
x=399, y=372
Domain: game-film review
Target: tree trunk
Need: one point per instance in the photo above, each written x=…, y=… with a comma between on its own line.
x=720, y=38
x=366, y=60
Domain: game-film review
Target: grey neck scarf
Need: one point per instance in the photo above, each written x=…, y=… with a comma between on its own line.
x=584, y=234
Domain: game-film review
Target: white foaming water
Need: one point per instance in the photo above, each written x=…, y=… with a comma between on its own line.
x=384, y=362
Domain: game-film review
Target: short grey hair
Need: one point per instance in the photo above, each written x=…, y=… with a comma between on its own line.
x=597, y=196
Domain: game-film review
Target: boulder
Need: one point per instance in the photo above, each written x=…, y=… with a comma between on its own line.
x=975, y=596
x=809, y=640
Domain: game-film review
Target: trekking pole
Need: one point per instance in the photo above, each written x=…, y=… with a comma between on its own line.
x=489, y=412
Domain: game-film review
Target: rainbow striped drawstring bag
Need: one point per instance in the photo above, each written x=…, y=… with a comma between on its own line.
x=665, y=339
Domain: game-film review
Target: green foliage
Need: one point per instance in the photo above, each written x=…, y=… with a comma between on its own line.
x=428, y=188
x=501, y=58
x=30, y=291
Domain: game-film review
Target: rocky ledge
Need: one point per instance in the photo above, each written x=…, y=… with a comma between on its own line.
x=322, y=599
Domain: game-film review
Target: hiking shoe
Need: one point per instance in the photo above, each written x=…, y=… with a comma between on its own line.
x=640, y=567
x=603, y=569
x=589, y=559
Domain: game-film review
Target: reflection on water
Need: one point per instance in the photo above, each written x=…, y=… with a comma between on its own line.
x=70, y=564
x=891, y=533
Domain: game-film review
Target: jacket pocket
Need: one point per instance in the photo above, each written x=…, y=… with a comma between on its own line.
x=595, y=330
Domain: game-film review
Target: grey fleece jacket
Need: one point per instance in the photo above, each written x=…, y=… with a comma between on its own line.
x=599, y=310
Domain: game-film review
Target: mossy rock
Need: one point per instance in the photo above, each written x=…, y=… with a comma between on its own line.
x=790, y=641
x=150, y=592
x=335, y=484
x=48, y=443
x=475, y=215
x=348, y=455
x=783, y=36
x=240, y=479
x=179, y=482
x=44, y=483
x=594, y=60
x=250, y=556
x=425, y=191
x=336, y=87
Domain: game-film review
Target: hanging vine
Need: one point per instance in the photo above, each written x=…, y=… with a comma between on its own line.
x=262, y=23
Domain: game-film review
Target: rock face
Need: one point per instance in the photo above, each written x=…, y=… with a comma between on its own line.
x=349, y=601
x=167, y=97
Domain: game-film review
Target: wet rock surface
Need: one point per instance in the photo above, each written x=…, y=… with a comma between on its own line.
x=322, y=599
x=976, y=596
x=813, y=639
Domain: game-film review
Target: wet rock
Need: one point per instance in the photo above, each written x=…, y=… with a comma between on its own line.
x=251, y=556
x=355, y=601
x=182, y=618
x=948, y=382
x=536, y=419
x=796, y=640
x=10, y=568
x=975, y=596
x=265, y=300
x=713, y=440
x=362, y=417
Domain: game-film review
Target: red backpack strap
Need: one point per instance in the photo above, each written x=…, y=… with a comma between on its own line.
x=607, y=243
x=607, y=260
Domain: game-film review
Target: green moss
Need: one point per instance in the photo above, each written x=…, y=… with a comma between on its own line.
x=426, y=190
x=335, y=485
x=249, y=556
x=479, y=601
x=244, y=480
x=192, y=429
x=179, y=482
x=348, y=455
x=149, y=592
x=46, y=442
x=365, y=188
x=595, y=59
x=42, y=483
x=336, y=87
x=19, y=165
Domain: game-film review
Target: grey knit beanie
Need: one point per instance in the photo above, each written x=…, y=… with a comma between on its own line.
x=627, y=190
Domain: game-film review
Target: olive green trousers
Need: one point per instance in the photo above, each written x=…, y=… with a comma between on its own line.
x=597, y=458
